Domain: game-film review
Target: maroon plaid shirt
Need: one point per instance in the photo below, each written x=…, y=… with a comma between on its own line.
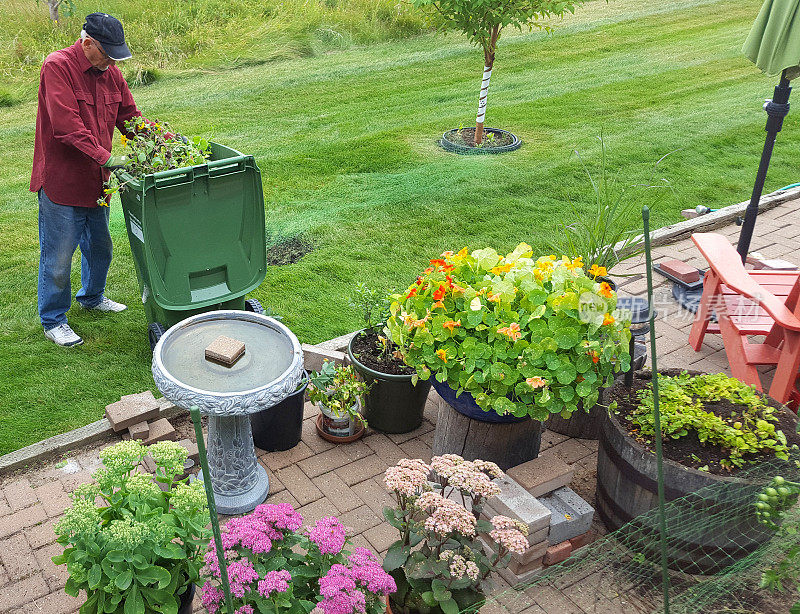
x=78, y=109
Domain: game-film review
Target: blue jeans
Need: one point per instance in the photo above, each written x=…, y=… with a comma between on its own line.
x=62, y=228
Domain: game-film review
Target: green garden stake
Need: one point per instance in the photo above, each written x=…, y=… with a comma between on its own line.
x=212, y=507
x=662, y=519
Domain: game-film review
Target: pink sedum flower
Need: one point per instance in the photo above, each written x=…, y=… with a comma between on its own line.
x=328, y=534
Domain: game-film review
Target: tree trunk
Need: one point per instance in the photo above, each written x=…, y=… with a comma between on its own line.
x=488, y=59
x=52, y=5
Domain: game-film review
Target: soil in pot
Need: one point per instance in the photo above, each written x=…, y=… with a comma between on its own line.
x=688, y=450
x=368, y=349
x=393, y=403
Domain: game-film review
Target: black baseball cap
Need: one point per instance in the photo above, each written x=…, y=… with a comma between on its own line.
x=107, y=31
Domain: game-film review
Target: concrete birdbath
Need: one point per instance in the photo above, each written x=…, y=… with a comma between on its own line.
x=190, y=369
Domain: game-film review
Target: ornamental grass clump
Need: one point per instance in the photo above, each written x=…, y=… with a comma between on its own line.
x=524, y=336
x=131, y=546
x=276, y=567
x=438, y=563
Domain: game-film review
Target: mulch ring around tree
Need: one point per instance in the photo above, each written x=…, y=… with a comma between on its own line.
x=688, y=450
x=369, y=351
x=462, y=140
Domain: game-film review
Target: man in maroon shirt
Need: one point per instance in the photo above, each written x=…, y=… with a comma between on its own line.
x=82, y=97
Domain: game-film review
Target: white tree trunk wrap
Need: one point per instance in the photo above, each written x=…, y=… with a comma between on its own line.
x=487, y=74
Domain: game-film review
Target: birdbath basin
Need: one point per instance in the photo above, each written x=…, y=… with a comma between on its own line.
x=269, y=370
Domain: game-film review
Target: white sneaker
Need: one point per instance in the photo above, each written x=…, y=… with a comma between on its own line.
x=63, y=335
x=108, y=305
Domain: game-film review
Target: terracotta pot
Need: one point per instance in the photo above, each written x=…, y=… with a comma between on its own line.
x=359, y=432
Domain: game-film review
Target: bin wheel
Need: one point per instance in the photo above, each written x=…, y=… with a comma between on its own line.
x=253, y=305
x=154, y=332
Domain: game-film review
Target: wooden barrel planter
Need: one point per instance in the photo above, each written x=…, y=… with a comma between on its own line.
x=465, y=429
x=581, y=424
x=713, y=526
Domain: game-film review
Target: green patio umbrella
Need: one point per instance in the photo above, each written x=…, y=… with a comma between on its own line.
x=774, y=46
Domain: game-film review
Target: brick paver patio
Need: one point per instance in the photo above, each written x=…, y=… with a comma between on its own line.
x=320, y=478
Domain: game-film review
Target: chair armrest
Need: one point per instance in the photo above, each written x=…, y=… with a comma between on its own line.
x=727, y=264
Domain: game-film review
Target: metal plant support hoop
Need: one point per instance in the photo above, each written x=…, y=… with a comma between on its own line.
x=464, y=150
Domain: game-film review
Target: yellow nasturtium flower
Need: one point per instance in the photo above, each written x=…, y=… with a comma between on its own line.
x=123, y=139
x=598, y=271
x=442, y=354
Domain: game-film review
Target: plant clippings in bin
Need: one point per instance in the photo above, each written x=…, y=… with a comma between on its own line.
x=151, y=147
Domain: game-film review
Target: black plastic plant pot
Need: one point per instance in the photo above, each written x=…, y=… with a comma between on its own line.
x=450, y=141
x=186, y=599
x=393, y=404
x=280, y=428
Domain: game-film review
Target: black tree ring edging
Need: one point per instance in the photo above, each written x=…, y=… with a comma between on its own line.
x=450, y=145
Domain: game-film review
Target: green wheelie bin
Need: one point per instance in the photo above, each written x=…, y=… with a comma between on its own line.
x=197, y=237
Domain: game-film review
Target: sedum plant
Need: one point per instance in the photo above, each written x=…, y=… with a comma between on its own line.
x=275, y=567
x=524, y=336
x=483, y=21
x=131, y=546
x=439, y=564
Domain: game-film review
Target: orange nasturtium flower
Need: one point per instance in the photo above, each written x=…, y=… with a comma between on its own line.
x=438, y=262
x=595, y=356
x=512, y=331
x=442, y=354
x=495, y=298
x=438, y=305
x=450, y=325
x=446, y=254
x=536, y=382
x=449, y=280
x=502, y=268
x=598, y=271
x=412, y=291
x=608, y=319
x=428, y=270
x=447, y=268
x=439, y=294
x=573, y=264
x=605, y=290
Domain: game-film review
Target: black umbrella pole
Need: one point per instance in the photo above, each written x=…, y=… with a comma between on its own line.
x=776, y=109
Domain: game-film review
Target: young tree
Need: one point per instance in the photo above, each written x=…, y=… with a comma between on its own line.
x=483, y=22
x=54, y=5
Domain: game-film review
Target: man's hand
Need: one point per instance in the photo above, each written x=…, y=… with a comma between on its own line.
x=115, y=162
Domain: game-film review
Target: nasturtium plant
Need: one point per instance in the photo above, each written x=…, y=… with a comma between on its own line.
x=483, y=21
x=524, y=336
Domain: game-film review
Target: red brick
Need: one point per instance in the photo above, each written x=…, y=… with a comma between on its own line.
x=55, y=575
x=54, y=603
x=140, y=430
x=132, y=409
x=583, y=540
x=160, y=430
x=225, y=350
x=680, y=270
x=42, y=534
x=14, y=596
x=53, y=498
x=333, y=487
x=297, y=482
x=559, y=552
x=360, y=519
x=17, y=557
x=23, y=519
x=19, y=494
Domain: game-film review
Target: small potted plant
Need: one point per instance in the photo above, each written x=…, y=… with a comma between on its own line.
x=339, y=393
x=133, y=542
x=275, y=567
x=439, y=564
x=505, y=338
x=395, y=400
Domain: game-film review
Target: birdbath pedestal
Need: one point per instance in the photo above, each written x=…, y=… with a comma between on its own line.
x=267, y=372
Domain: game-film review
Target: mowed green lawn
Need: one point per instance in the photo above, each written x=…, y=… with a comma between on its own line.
x=346, y=147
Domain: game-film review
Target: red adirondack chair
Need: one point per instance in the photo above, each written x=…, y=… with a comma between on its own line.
x=746, y=304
